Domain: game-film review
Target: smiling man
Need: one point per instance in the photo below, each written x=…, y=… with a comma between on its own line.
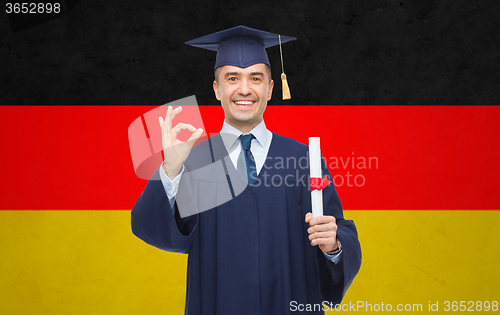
x=243, y=94
x=259, y=251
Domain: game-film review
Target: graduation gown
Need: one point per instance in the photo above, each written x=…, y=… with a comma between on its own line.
x=251, y=254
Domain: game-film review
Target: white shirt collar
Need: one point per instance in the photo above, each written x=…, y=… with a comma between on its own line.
x=230, y=135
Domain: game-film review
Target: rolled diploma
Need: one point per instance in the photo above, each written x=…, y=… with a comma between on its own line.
x=315, y=171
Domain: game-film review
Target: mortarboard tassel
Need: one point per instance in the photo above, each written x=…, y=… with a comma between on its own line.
x=286, y=89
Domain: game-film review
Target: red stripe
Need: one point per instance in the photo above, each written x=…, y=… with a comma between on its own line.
x=77, y=157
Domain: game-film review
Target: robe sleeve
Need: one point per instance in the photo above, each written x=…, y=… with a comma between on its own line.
x=155, y=222
x=335, y=279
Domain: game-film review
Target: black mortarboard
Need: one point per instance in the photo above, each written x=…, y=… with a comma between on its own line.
x=242, y=47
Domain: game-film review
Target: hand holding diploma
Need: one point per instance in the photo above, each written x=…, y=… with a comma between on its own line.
x=322, y=231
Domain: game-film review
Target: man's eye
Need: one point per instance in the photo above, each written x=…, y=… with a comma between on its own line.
x=256, y=79
x=231, y=79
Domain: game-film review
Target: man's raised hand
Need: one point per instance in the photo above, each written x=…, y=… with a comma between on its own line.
x=175, y=151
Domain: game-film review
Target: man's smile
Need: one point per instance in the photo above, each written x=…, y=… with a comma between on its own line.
x=244, y=102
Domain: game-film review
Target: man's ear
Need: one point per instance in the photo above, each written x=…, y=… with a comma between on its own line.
x=270, y=93
x=216, y=90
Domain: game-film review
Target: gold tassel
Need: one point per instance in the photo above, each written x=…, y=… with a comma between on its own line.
x=286, y=89
x=284, y=84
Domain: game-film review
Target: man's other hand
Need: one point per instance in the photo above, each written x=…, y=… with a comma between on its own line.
x=322, y=232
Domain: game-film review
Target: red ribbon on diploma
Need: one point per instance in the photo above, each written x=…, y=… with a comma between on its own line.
x=318, y=183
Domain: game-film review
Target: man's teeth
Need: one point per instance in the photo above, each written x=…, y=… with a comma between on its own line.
x=243, y=102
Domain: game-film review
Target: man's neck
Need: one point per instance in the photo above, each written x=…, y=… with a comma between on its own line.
x=244, y=128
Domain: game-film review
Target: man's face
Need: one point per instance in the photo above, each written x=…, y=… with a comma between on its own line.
x=243, y=93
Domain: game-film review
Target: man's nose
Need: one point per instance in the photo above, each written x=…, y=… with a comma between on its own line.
x=244, y=88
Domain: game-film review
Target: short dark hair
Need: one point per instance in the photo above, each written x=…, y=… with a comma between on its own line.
x=217, y=72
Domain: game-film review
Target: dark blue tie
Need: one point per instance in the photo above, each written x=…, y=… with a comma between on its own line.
x=249, y=160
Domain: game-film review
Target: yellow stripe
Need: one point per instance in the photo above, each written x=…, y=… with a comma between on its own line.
x=88, y=262
x=427, y=256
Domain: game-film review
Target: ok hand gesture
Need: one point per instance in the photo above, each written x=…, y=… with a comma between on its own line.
x=174, y=150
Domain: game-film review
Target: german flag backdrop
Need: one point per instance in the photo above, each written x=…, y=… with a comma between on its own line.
x=421, y=184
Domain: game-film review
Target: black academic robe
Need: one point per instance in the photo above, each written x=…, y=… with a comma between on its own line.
x=251, y=254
